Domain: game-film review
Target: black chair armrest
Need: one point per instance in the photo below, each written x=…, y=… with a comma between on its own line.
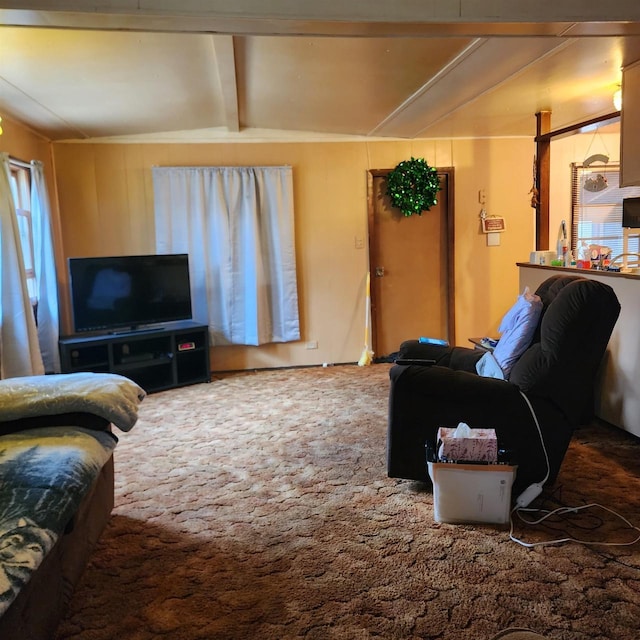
x=459, y=358
x=415, y=350
x=458, y=386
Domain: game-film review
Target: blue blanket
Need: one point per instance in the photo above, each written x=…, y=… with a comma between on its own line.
x=44, y=475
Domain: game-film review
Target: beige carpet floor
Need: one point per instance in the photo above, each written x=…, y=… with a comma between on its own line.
x=258, y=507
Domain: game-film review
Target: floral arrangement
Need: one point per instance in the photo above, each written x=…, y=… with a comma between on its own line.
x=412, y=186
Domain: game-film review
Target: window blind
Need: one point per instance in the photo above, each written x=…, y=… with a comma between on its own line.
x=596, y=202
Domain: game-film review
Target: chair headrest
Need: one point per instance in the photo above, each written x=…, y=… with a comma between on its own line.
x=578, y=317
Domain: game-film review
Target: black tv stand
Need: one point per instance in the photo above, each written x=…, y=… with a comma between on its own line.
x=157, y=358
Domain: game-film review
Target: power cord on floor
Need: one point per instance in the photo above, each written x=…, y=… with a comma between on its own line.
x=566, y=510
x=535, y=489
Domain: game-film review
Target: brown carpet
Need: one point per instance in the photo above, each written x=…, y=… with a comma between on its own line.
x=258, y=506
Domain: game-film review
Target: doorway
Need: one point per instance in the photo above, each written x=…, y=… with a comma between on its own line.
x=411, y=266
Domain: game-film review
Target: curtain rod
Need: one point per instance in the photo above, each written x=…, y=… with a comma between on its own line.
x=20, y=163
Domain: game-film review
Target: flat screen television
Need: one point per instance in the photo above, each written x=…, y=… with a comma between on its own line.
x=631, y=213
x=130, y=292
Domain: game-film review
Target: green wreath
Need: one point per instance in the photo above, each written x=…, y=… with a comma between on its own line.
x=412, y=186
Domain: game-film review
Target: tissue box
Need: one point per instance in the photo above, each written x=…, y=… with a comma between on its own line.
x=471, y=492
x=481, y=448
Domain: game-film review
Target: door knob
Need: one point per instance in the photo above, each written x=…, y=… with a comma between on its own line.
x=379, y=272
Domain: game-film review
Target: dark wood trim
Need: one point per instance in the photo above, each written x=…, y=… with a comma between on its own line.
x=543, y=179
x=543, y=139
x=572, y=270
x=371, y=174
x=451, y=282
x=609, y=118
x=449, y=172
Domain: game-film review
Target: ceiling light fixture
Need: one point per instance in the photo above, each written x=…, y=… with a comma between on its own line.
x=617, y=99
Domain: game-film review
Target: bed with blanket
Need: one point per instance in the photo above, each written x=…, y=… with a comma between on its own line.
x=56, y=488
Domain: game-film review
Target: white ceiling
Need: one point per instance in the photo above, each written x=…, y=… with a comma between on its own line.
x=184, y=72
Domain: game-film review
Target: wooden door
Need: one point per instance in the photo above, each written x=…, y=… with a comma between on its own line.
x=411, y=264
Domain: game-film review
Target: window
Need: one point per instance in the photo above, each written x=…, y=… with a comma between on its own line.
x=20, y=181
x=237, y=225
x=596, y=201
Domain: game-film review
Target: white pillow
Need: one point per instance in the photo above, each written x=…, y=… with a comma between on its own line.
x=517, y=329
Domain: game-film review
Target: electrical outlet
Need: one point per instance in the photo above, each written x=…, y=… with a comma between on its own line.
x=312, y=344
x=358, y=242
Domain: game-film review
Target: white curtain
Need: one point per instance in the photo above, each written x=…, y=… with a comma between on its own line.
x=19, y=349
x=44, y=266
x=237, y=225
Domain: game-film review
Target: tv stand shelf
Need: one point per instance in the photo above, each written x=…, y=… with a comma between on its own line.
x=164, y=357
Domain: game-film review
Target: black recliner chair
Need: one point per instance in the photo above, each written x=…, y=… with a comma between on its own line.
x=557, y=373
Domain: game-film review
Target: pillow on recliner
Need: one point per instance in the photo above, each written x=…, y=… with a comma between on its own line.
x=517, y=329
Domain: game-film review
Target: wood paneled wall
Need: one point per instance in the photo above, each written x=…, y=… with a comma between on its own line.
x=106, y=205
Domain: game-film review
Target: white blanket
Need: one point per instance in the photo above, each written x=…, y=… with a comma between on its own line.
x=488, y=367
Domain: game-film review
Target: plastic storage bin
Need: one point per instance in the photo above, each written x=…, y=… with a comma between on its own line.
x=471, y=492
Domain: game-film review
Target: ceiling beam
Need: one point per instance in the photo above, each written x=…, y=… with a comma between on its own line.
x=246, y=26
x=353, y=11
x=481, y=67
x=402, y=18
x=225, y=61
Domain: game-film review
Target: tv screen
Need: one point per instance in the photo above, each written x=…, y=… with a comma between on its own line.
x=129, y=291
x=631, y=213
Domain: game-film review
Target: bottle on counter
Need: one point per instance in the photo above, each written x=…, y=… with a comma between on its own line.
x=563, y=242
x=584, y=256
x=569, y=260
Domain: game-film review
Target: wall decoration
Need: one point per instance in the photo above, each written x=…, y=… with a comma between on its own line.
x=412, y=186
